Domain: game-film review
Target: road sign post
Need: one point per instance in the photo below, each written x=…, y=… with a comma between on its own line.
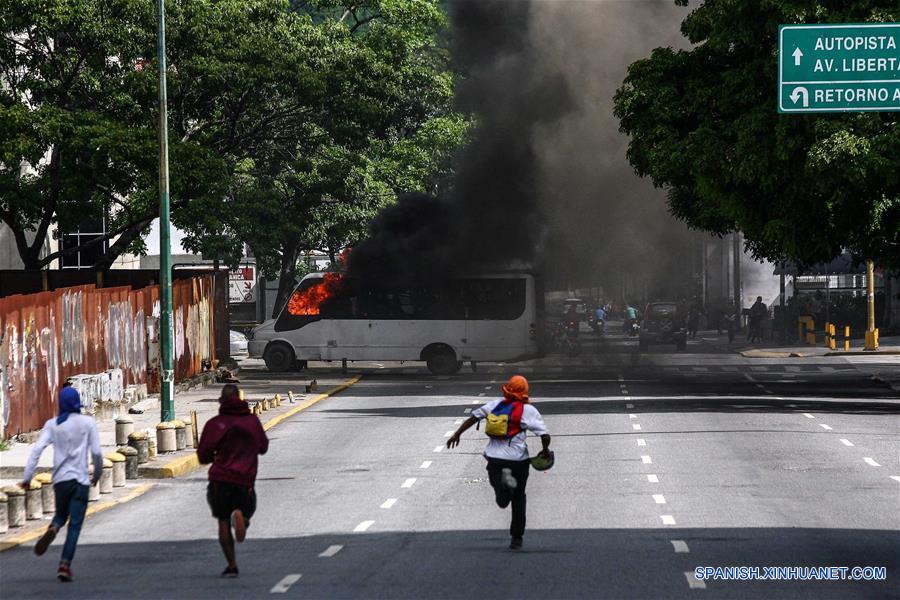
x=839, y=68
x=166, y=337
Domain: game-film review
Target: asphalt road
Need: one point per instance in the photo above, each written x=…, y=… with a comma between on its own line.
x=662, y=466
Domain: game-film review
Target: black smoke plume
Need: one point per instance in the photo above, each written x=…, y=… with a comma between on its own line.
x=545, y=181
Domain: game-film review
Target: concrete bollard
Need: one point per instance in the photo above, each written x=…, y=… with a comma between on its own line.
x=106, y=477
x=277, y=399
x=139, y=441
x=48, y=495
x=34, y=503
x=15, y=505
x=4, y=514
x=165, y=437
x=131, y=461
x=124, y=428
x=180, y=435
x=188, y=433
x=118, y=468
x=151, y=446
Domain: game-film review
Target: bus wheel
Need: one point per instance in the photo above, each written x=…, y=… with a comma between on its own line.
x=279, y=357
x=441, y=360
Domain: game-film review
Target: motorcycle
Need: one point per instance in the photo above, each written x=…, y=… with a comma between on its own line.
x=632, y=328
x=566, y=338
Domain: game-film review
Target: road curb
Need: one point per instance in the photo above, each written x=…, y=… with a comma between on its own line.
x=100, y=506
x=188, y=463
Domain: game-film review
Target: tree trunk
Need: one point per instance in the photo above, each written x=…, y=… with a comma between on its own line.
x=286, y=277
x=121, y=244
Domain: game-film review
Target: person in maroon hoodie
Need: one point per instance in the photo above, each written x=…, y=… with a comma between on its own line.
x=232, y=441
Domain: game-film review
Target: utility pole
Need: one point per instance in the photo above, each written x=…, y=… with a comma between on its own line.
x=871, y=332
x=166, y=346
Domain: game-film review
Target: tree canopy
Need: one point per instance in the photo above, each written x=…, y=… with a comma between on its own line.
x=289, y=122
x=704, y=125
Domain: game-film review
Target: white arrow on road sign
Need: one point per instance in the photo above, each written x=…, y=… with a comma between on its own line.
x=800, y=91
x=797, y=54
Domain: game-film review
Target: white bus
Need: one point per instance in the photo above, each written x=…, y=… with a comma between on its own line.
x=478, y=318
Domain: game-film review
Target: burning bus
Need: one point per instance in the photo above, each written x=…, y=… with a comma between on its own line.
x=331, y=317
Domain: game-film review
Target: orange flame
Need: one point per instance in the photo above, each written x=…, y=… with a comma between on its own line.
x=309, y=301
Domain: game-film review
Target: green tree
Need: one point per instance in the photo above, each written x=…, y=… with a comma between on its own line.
x=703, y=124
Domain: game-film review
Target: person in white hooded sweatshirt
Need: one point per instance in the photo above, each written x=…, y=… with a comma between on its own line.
x=73, y=436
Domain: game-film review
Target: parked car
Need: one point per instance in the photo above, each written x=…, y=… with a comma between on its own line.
x=663, y=323
x=238, y=343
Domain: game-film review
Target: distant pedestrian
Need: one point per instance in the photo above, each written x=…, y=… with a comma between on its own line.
x=694, y=312
x=73, y=436
x=232, y=442
x=732, y=321
x=758, y=314
x=508, y=421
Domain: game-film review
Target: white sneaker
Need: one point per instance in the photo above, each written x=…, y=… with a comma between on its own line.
x=507, y=479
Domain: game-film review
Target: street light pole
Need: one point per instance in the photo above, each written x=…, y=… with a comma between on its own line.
x=167, y=371
x=871, y=332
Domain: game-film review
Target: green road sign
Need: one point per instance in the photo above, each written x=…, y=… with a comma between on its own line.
x=839, y=68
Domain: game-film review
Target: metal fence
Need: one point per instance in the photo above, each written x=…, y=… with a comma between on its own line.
x=105, y=339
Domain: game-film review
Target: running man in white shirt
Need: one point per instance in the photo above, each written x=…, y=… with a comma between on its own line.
x=508, y=421
x=73, y=435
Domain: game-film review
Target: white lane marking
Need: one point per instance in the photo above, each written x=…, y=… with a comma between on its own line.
x=680, y=546
x=652, y=478
x=791, y=405
x=632, y=416
x=846, y=442
x=895, y=478
x=285, y=584
x=408, y=483
x=448, y=433
x=331, y=551
x=870, y=461
x=824, y=426
x=659, y=498
x=808, y=416
x=760, y=386
x=624, y=392
x=636, y=426
x=629, y=406
x=646, y=460
x=389, y=503
x=487, y=387
x=428, y=387
x=438, y=448
x=693, y=582
x=425, y=464
x=363, y=526
x=667, y=519
x=642, y=442
x=621, y=378
x=457, y=422
x=467, y=410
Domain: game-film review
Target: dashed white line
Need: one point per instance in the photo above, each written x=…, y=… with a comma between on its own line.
x=408, y=483
x=438, y=448
x=632, y=416
x=389, y=503
x=895, y=478
x=457, y=422
x=363, y=526
x=659, y=498
x=680, y=546
x=870, y=461
x=425, y=464
x=636, y=426
x=448, y=433
x=331, y=551
x=642, y=442
x=624, y=392
x=824, y=426
x=808, y=416
x=646, y=460
x=629, y=406
x=285, y=584
x=467, y=410
x=693, y=582
x=652, y=478
x=487, y=387
x=846, y=442
x=667, y=519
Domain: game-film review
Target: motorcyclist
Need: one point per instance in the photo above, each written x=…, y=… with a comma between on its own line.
x=631, y=316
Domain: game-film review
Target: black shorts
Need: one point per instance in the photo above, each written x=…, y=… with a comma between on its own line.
x=225, y=498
